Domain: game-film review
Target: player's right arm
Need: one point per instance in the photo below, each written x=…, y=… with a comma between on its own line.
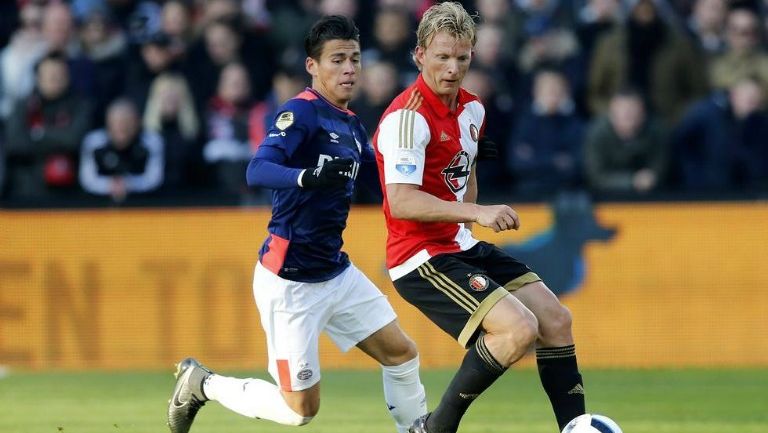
x=294, y=124
x=408, y=202
x=402, y=140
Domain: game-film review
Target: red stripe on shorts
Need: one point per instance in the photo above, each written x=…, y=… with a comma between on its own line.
x=284, y=373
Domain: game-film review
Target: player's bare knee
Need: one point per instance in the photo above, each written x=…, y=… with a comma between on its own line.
x=304, y=407
x=404, y=351
x=526, y=332
x=556, y=329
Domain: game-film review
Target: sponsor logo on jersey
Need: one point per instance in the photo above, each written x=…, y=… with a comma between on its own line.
x=284, y=120
x=444, y=136
x=478, y=282
x=405, y=164
x=457, y=172
x=473, y=132
x=334, y=137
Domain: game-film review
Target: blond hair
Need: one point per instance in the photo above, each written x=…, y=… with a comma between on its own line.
x=449, y=17
x=186, y=114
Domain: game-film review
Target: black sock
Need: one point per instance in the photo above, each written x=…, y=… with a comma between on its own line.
x=562, y=382
x=477, y=372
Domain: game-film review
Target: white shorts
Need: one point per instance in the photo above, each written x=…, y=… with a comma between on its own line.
x=349, y=308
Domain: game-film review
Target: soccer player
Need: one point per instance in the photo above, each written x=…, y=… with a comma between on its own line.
x=303, y=283
x=496, y=307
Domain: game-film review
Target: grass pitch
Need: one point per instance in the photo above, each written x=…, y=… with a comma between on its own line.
x=647, y=401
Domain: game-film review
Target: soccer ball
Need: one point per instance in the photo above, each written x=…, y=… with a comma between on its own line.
x=592, y=423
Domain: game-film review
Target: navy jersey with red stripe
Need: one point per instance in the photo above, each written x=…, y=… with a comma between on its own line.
x=305, y=231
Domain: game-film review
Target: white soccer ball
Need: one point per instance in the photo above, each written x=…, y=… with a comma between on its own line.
x=592, y=423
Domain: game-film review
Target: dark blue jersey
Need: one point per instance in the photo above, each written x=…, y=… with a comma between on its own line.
x=304, y=242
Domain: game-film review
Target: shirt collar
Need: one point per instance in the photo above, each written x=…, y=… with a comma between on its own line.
x=335, y=107
x=434, y=101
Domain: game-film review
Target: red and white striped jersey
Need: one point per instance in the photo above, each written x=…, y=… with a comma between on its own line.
x=420, y=141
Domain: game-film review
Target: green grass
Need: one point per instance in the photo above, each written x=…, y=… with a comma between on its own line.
x=648, y=401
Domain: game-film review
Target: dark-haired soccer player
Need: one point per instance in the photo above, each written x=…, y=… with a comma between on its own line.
x=303, y=283
x=427, y=143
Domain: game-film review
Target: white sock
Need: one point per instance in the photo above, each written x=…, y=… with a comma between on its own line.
x=254, y=398
x=404, y=393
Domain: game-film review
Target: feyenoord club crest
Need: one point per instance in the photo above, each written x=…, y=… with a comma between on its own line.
x=478, y=282
x=473, y=132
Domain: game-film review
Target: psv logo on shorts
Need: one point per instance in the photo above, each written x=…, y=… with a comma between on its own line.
x=457, y=172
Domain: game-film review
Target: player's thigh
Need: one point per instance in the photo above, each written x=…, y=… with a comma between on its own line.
x=359, y=309
x=292, y=315
x=389, y=345
x=452, y=293
x=554, y=318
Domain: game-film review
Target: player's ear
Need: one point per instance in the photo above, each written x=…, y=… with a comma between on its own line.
x=310, y=65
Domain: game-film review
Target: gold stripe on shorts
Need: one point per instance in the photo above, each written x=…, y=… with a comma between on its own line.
x=441, y=286
x=451, y=285
x=527, y=278
x=476, y=319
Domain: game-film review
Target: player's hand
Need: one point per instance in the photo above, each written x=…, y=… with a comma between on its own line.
x=486, y=149
x=332, y=174
x=498, y=217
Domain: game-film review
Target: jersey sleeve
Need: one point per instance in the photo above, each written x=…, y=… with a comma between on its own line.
x=402, y=141
x=295, y=122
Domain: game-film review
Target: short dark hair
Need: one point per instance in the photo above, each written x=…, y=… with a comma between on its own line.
x=328, y=28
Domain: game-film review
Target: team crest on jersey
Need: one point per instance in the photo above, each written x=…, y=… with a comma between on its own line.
x=457, y=172
x=473, y=132
x=478, y=282
x=284, y=120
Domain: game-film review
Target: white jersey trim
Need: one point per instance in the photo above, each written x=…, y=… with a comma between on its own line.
x=409, y=265
x=402, y=141
x=463, y=238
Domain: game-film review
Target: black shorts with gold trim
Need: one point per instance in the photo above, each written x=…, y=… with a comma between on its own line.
x=457, y=290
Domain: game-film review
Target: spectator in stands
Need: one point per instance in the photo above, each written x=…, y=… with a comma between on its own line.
x=547, y=45
x=627, y=150
x=171, y=113
x=44, y=132
x=392, y=42
x=226, y=38
x=17, y=60
x=744, y=56
x=122, y=159
x=722, y=142
x=286, y=83
x=106, y=47
x=544, y=155
x=705, y=26
x=557, y=12
x=379, y=87
x=489, y=54
x=595, y=19
x=228, y=115
x=498, y=13
x=176, y=22
x=60, y=35
x=153, y=59
x=648, y=54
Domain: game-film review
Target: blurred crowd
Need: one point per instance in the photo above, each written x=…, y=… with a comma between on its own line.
x=115, y=99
